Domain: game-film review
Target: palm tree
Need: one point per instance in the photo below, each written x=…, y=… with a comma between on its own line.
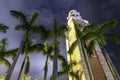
x=58, y=32
x=48, y=49
x=92, y=33
x=3, y=45
x=99, y=34
x=27, y=25
x=29, y=48
x=26, y=62
x=45, y=34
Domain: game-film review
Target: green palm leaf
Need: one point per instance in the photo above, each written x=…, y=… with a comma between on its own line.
x=91, y=28
x=61, y=58
x=76, y=76
x=3, y=45
x=3, y=28
x=107, y=26
x=36, y=48
x=10, y=53
x=19, y=15
x=21, y=27
x=66, y=67
x=116, y=38
x=35, y=18
x=73, y=46
x=44, y=33
x=61, y=30
x=90, y=35
x=102, y=40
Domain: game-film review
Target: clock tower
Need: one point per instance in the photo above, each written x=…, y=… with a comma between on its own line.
x=96, y=67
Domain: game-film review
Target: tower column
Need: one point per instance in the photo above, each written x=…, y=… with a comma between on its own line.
x=75, y=56
x=80, y=69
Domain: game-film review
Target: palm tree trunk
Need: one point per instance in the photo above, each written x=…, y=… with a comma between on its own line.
x=8, y=77
x=22, y=67
x=55, y=62
x=46, y=68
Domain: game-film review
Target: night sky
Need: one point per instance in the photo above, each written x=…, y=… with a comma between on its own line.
x=92, y=10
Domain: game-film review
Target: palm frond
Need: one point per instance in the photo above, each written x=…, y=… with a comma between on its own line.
x=35, y=18
x=101, y=40
x=116, y=38
x=73, y=46
x=61, y=30
x=75, y=75
x=21, y=27
x=6, y=62
x=42, y=31
x=34, y=30
x=107, y=26
x=71, y=64
x=3, y=45
x=10, y=53
x=3, y=28
x=91, y=28
x=90, y=35
x=68, y=66
x=61, y=58
x=36, y=48
x=19, y=15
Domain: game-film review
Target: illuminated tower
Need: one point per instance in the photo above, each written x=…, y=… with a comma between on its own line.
x=99, y=66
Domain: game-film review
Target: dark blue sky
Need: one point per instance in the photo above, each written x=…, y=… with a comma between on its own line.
x=91, y=10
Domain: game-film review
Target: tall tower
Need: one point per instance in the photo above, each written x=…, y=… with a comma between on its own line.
x=80, y=68
x=97, y=67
